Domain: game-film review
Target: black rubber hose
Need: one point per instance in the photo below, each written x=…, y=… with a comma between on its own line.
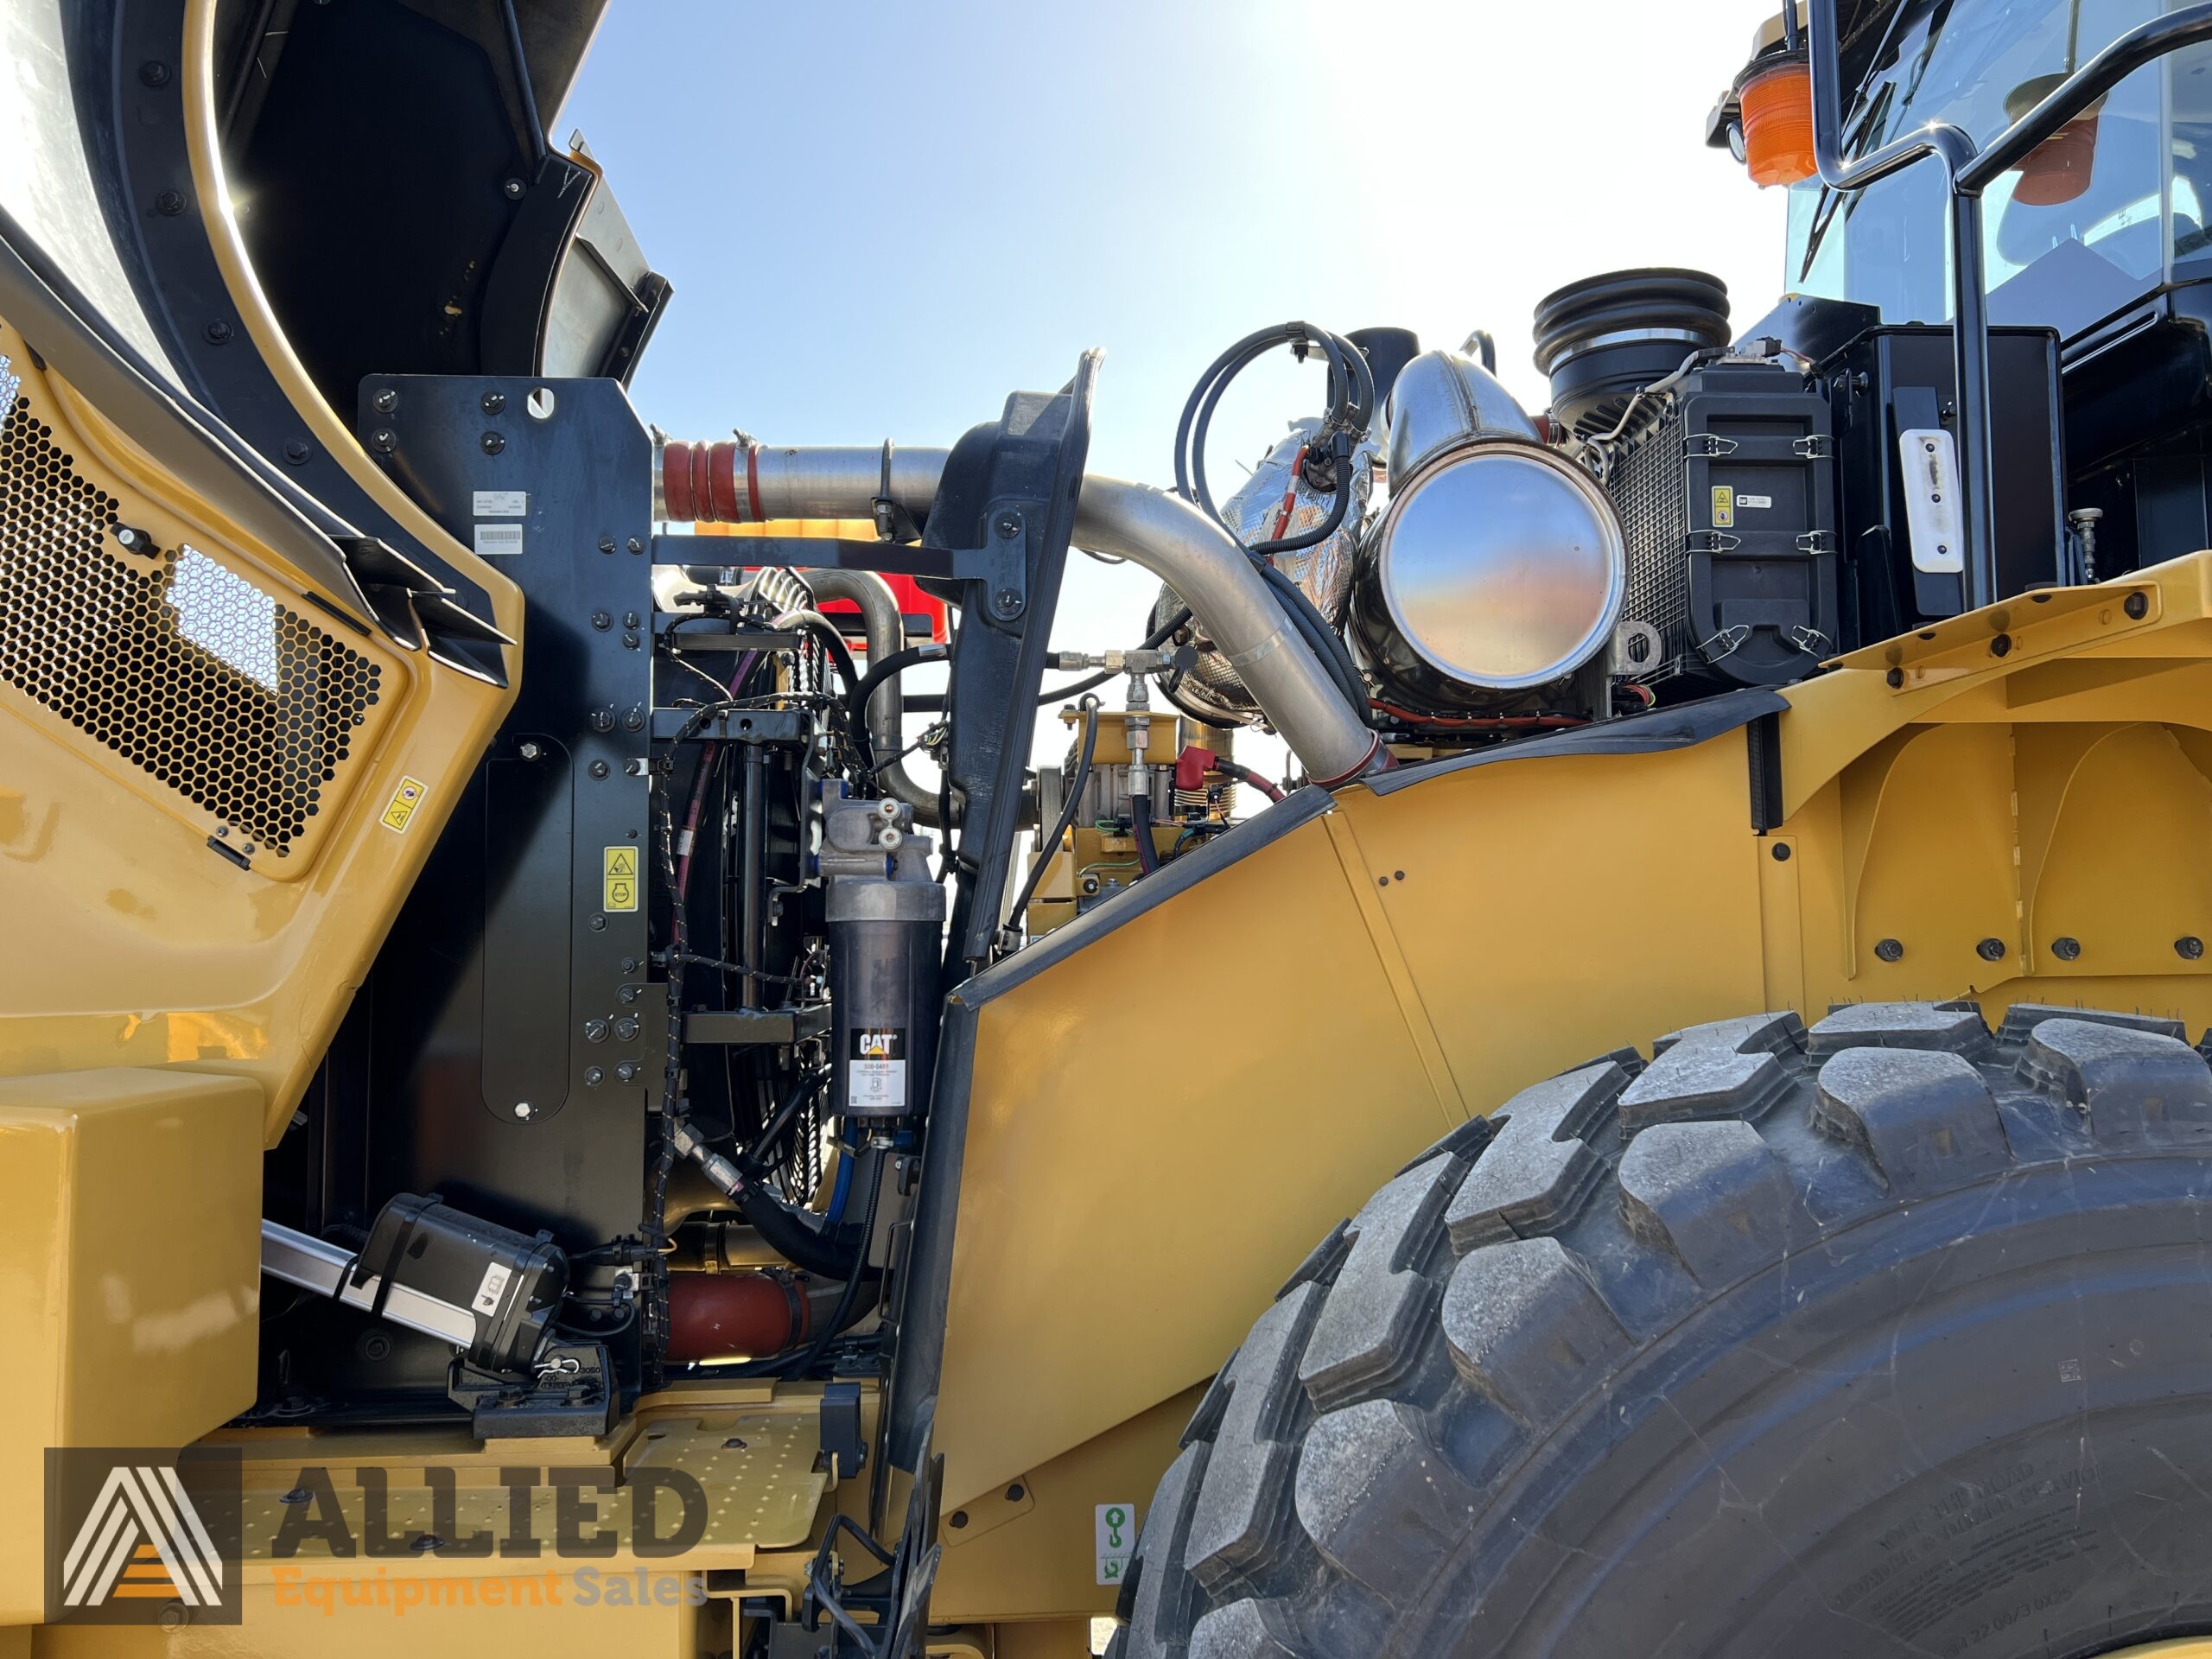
x=1141, y=827
x=1351, y=410
x=1152, y=641
x=785, y=1230
x=808, y=1085
x=856, y=1270
x=897, y=663
x=1068, y=809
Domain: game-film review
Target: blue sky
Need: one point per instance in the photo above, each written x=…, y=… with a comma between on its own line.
x=882, y=218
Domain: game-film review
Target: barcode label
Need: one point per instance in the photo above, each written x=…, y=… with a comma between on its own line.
x=495, y=541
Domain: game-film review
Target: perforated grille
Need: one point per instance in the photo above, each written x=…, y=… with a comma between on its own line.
x=184, y=669
x=1648, y=487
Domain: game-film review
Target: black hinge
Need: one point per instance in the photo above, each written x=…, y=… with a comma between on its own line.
x=1763, y=737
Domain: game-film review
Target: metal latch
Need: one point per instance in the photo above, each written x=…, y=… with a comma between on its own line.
x=1708, y=445
x=1818, y=446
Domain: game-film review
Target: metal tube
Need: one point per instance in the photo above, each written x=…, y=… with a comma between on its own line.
x=1209, y=571
x=887, y=633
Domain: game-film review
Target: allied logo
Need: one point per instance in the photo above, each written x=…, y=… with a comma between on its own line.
x=142, y=1536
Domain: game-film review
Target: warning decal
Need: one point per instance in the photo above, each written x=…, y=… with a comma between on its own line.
x=1116, y=1526
x=401, y=809
x=876, y=1077
x=1724, y=506
x=619, y=876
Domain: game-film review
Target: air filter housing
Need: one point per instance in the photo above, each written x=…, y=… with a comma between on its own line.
x=1603, y=338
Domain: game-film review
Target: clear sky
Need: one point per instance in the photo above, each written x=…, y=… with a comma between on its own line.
x=882, y=218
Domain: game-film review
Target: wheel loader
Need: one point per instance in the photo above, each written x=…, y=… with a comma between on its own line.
x=553, y=1100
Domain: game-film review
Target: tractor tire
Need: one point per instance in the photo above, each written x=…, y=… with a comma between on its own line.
x=1890, y=1337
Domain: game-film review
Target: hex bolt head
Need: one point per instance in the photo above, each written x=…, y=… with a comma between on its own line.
x=595, y=1030
x=1009, y=525
x=631, y=641
x=1005, y=602
x=634, y=545
x=296, y=1495
x=427, y=1541
x=153, y=73
x=492, y=442
x=298, y=451
x=602, y=720
x=1991, y=950
x=217, y=332
x=627, y=1071
x=385, y=401
x=626, y=1028
x=1896, y=679
x=492, y=402
x=602, y=620
x=630, y=619
x=1889, y=951
x=2189, y=948
x=170, y=203
x=2136, y=605
x=383, y=440
x=606, y=543
x=524, y=1110
x=2001, y=645
x=2066, y=947
x=531, y=749
x=593, y=1077
x=630, y=964
x=599, y=923
x=599, y=768
x=512, y=189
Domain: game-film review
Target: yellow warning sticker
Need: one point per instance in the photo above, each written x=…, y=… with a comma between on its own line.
x=1724, y=506
x=399, y=811
x=619, y=879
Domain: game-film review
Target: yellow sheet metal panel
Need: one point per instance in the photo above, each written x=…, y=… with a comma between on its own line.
x=1134, y=1187
x=129, y=1276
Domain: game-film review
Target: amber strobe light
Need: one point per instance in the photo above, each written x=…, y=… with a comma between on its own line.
x=1777, y=105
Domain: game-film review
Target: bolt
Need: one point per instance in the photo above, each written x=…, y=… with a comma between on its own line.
x=1782, y=852
x=524, y=1109
x=959, y=1519
x=1009, y=525
x=131, y=539
x=491, y=443
x=1005, y=602
x=153, y=73
x=630, y=964
x=599, y=768
x=1397, y=875
x=217, y=332
x=427, y=1541
x=732, y=1443
x=629, y=994
x=599, y=923
x=1896, y=678
x=2066, y=949
x=635, y=720
x=593, y=1077
x=492, y=402
x=298, y=451
x=627, y=1071
x=1889, y=950
x=1991, y=950
x=602, y=620
x=2189, y=948
x=606, y=543
x=626, y=1028
x=385, y=401
x=2001, y=645
x=595, y=1030
x=513, y=188
x=634, y=545
x=631, y=641
x=170, y=203
x=297, y=1495
x=383, y=440
x=1015, y=1494
x=2136, y=605
x=531, y=749
x=630, y=619
x=602, y=720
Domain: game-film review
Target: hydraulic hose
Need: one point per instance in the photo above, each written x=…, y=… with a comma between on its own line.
x=1141, y=828
x=1068, y=809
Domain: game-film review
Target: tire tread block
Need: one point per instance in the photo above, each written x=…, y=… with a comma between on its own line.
x=1948, y=1027
x=1162, y=1612
x=1527, y=1329
x=1713, y=1194
x=1238, y=1524
x=1377, y=1498
x=1729, y=1068
x=1927, y=1119
x=2139, y=1087
x=1370, y=1326
x=1536, y=1175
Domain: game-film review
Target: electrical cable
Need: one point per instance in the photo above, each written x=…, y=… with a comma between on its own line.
x=1049, y=844
x=896, y=664
x=810, y=1084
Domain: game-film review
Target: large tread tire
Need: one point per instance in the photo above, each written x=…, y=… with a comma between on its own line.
x=1893, y=1336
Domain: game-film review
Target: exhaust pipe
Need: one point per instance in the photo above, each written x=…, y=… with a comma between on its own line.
x=1209, y=571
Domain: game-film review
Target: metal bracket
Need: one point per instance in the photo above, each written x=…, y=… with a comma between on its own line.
x=1713, y=541
x=842, y=1443
x=1708, y=445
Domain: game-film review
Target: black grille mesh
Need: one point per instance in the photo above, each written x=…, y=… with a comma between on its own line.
x=186, y=670
x=1647, y=486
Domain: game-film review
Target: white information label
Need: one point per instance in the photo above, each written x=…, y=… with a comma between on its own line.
x=1743, y=500
x=498, y=541
x=502, y=503
x=1117, y=1540
x=876, y=1070
x=494, y=1286
x=1930, y=467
